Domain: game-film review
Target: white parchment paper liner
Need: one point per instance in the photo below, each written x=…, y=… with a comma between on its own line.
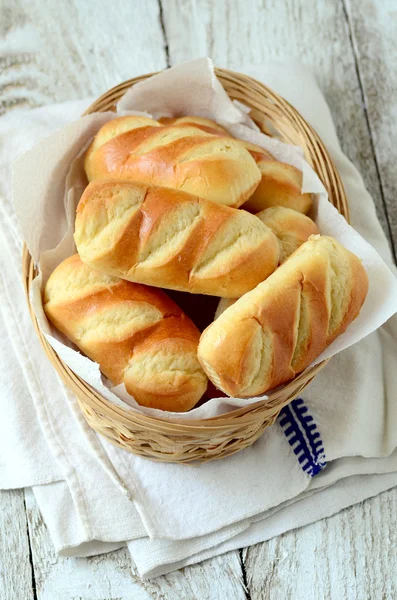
x=49, y=180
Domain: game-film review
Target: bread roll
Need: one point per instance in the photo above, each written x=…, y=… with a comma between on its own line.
x=186, y=158
x=170, y=239
x=136, y=334
x=276, y=330
x=280, y=183
x=291, y=228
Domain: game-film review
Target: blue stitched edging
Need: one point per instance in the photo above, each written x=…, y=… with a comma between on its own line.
x=303, y=437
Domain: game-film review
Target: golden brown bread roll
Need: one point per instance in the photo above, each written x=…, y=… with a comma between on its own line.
x=183, y=157
x=276, y=330
x=136, y=334
x=171, y=239
x=280, y=183
x=291, y=228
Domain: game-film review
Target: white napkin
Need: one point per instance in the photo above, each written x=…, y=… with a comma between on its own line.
x=260, y=492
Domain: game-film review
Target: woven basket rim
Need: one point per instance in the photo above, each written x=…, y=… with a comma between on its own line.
x=225, y=420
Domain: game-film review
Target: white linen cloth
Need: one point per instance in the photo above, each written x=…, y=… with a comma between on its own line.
x=95, y=497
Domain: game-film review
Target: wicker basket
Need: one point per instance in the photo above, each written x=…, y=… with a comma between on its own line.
x=173, y=440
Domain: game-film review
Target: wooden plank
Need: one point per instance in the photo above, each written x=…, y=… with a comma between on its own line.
x=373, y=26
x=56, y=51
x=244, y=32
x=107, y=576
x=350, y=556
x=217, y=579
x=16, y=581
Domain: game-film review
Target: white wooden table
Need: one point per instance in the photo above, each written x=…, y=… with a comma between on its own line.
x=53, y=51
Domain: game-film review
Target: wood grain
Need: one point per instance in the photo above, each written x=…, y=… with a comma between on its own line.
x=56, y=51
x=16, y=579
x=217, y=579
x=373, y=27
x=107, y=576
x=350, y=556
x=238, y=33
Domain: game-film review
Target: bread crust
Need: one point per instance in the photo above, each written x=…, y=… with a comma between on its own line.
x=291, y=228
x=170, y=239
x=184, y=157
x=275, y=331
x=280, y=183
x=138, y=335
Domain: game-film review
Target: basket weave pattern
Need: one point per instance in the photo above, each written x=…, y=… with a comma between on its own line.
x=184, y=441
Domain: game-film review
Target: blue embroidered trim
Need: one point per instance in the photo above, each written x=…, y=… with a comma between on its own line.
x=303, y=436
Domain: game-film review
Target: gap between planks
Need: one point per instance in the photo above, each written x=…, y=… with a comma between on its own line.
x=164, y=32
x=370, y=132
x=30, y=550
